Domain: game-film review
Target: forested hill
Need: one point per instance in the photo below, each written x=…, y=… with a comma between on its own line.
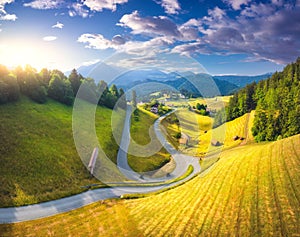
x=242, y=81
x=38, y=86
x=276, y=101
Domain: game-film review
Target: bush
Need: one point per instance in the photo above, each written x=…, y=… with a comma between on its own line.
x=178, y=135
x=39, y=94
x=9, y=89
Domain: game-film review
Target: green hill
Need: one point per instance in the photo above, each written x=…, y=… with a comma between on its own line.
x=38, y=157
x=139, y=131
x=276, y=102
x=252, y=191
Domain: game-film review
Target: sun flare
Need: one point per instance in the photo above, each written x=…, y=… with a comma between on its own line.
x=23, y=54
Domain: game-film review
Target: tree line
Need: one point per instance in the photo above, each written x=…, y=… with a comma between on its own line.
x=276, y=101
x=53, y=84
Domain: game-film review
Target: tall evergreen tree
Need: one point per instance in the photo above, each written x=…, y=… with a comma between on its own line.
x=114, y=91
x=75, y=80
x=134, y=103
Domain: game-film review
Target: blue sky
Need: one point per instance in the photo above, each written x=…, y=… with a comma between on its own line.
x=227, y=36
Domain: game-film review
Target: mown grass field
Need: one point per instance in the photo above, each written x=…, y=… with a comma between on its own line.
x=199, y=129
x=38, y=157
x=252, y=191
x=215, y=103
x=140, y=134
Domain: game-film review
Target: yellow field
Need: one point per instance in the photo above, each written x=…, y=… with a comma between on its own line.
x=252, y=191
x=198, y=128
x=240, y=127
x=215, y=103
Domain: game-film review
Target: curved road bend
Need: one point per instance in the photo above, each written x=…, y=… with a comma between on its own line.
x=182, y=161
x=50, y=208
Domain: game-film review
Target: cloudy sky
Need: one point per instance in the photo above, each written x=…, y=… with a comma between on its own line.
x=225, y=36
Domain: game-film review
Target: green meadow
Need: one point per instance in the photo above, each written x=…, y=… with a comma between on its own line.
x=39, y=161
x=140, y=132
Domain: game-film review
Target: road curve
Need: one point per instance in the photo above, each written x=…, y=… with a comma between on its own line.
x=50, y=208
x=182, y=161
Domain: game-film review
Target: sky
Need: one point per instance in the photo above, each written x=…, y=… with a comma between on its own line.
x=241, y=37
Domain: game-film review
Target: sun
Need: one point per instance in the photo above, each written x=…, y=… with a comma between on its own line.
x=22, y=54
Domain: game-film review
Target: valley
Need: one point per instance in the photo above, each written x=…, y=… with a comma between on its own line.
x=150, y=118
x=251, y=191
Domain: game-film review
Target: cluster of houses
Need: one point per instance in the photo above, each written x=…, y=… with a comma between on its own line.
x=154, y=109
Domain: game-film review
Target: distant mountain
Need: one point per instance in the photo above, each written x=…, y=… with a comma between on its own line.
x=151, y=80
x=242, y=81
x=135, y=77
x=187, y=82
x=99, y=71
x=202, y=84
x=194, y=85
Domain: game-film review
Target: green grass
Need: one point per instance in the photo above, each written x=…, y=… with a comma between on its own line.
x=39, y=161
x=252, y=191
x=140, y=134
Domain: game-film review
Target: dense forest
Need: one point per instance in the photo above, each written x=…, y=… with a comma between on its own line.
x=276, y=101
x=38, y=86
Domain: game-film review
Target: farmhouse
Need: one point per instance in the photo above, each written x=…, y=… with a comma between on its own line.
x=235, y=138
x=215, y=142
x=184, y=140
x=154, y=110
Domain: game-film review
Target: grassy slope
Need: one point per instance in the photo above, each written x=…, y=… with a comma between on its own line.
x=252, y=191
x=140, y=134
x=38, y=157
x=213, y=103
x=195, y=126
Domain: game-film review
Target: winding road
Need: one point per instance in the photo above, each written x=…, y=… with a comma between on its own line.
x=45, y=209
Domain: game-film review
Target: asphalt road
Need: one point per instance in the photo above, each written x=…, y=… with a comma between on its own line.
x=50, y=208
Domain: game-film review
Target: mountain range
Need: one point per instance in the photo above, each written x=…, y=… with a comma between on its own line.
x=151, y=80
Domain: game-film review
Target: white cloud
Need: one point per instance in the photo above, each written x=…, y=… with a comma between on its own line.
x=277, y=2
x=58, y=25
x=4, y=16
x=236, y=4
x=171, y=6
x=49, y=38
x=260, y=31
x=78, y=9
x=155, y=26
x=147, y=48
x=99, y=5
x=216, y=13
x=118, y=43
x=91, y=62
x=8, y=17
x=44, y=4
x=257, y=10
x=191, y=48
x=118, y=40
x=98, y=41
x=3, y=2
